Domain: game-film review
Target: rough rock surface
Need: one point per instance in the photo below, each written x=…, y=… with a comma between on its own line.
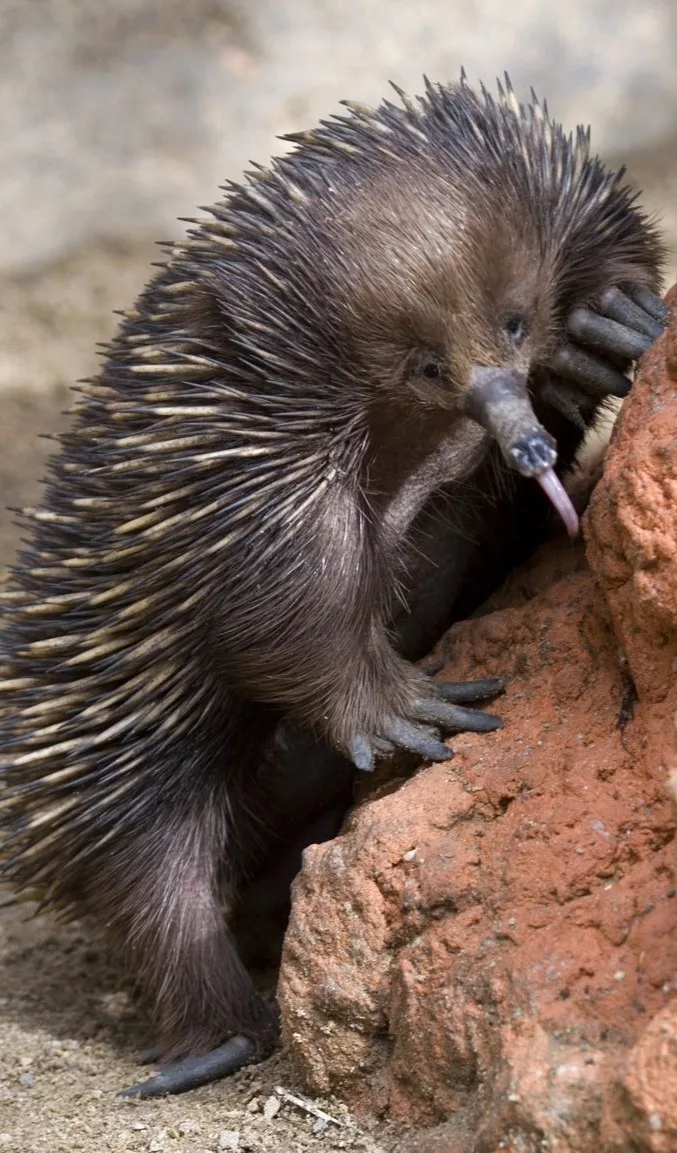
x=492, y=945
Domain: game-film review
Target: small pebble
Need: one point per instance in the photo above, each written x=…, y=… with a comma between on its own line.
x=271, y=1108
x=188, y=1126
x=229, y=1139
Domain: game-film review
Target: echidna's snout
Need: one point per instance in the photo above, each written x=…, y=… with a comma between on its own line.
x=497, y=398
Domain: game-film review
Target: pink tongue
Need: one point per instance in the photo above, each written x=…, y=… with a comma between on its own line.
x=559, y=498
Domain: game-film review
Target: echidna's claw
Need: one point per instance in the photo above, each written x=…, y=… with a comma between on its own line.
x=455, y=717
x=637, y=309
x=362, y=753
x=567, y=398
x=397, y=734
x=417, y=739
x=593, y=374
x=610, y=336
x=439, y=710
x=191, y=1072
x=648, y=302
x=465, y=691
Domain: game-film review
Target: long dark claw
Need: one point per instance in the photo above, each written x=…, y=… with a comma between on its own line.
x=361, y=753
x=464, y=691
x=621, y=308
x=608, y=335
x=594, y=375
x=455, y=717
x=382, y=747
x=568, y=399
x=647, y=300
x=408, y=736
x=195, y=1071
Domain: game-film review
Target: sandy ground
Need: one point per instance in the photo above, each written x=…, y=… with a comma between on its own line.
x=68, y=1031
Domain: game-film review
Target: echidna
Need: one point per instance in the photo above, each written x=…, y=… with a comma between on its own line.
x=326, y=404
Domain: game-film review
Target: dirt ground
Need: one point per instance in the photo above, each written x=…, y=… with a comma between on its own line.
x=68, y=1030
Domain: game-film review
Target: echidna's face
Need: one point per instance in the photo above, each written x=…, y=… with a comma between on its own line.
x=400, y=249
x=437, y=290
x=414, y=264
x=461, y=233
x=504, y=315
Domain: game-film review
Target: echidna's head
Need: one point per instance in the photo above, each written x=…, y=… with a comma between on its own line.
x=472, y=231
x=401, y=250
x=443, y=276
x=403, y=246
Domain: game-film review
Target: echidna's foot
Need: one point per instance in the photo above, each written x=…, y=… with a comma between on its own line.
x=191, y=1072
x=606, y=341
x=439, y=710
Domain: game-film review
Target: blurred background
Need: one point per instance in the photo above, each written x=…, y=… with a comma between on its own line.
x=117, y=116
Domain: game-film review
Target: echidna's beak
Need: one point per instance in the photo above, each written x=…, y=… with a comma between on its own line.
x=498, y=399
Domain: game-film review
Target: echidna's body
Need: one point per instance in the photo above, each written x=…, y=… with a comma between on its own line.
x=222, y=538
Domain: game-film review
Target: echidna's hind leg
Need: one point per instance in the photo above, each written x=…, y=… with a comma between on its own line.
x=161, y=891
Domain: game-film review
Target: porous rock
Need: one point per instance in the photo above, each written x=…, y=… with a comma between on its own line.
x=490, y=947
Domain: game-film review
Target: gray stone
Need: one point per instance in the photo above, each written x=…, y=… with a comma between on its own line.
x=116, y=117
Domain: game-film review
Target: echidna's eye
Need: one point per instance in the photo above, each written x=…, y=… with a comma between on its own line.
x=426, y=363
x=516, y=328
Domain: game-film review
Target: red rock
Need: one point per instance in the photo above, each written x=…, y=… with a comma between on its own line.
x=491, y=945
x=646, y=1105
